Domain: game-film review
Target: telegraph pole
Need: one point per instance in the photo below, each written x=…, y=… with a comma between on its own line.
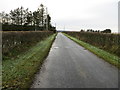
x=64, y=27
x=55, y=26
x=46, y=19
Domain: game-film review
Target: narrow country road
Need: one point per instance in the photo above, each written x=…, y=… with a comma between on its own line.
x=69, y=65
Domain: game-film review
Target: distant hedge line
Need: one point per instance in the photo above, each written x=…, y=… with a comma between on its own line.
x=14, y=43
x=108, y=42
x=19, y=28
x=6, y=27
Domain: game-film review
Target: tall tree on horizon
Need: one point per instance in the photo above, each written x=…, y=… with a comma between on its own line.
x=12, y=16
x=29, y=18
x=21, y=15
x=42, y=12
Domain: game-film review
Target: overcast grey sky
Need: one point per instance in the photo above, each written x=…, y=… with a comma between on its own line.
x=73, y=14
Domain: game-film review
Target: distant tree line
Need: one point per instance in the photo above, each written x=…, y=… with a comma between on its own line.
x=98, y=31
x=23, y=19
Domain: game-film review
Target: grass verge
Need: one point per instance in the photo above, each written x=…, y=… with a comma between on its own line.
x=19, y=73
x=112, y=59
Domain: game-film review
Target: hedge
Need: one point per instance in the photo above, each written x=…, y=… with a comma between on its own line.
x=13, y=43
x=105, y=41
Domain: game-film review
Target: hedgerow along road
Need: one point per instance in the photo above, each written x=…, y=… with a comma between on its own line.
x=70, y=65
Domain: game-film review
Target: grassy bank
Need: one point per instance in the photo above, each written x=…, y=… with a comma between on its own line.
x=19, y=73
x=112, y=59
x=109, y=42
x=17, y=42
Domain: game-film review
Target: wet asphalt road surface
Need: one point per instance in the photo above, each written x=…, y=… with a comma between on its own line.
x=69, y=65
